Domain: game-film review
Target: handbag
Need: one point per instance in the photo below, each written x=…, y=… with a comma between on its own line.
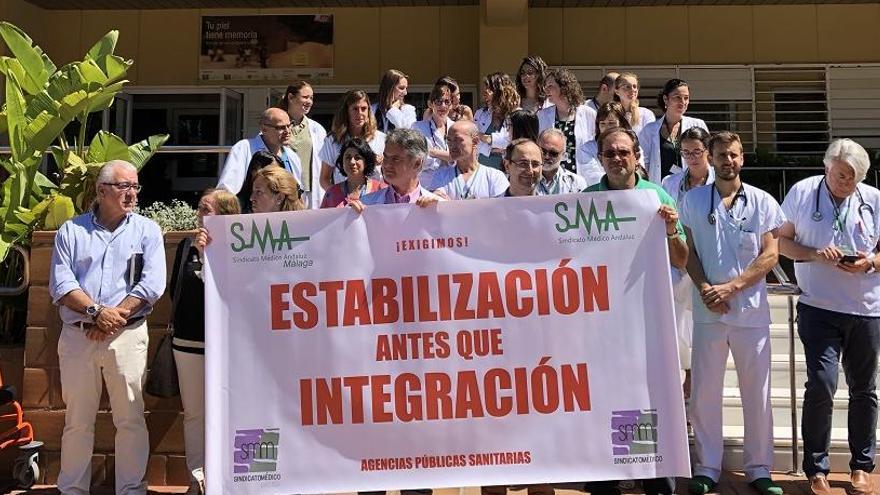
x=162, y=378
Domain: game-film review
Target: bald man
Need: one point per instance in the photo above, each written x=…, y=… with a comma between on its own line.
x=274, y=132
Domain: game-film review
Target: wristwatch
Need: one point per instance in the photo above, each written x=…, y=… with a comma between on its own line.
x=94, y=310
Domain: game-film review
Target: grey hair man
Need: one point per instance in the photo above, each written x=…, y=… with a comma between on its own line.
x=108, y=270
x=554, y=178
x=466, y=178
x=404, y=155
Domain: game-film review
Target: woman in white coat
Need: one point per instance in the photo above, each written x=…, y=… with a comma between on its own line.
x=353, y=118
x=660, y=139
x=568, y=113
x=695, y=154
x=306, y=138
x=390, y=110
x=434, y=127
x=589, y=167
x=500, y=96
x=626, y=91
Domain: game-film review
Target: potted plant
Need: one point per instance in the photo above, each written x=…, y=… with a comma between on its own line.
x=42, y=100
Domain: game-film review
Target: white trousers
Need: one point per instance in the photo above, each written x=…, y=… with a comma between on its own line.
x=191, y=375
x=684, y=319
x=121, y=360
x=751, y=354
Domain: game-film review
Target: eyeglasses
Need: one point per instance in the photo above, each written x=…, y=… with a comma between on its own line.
x=279, y=128
x=612, y=154
x=524, y=164
x=125, y=186
x=442, y=102
x=693, y=154
x=550, y=153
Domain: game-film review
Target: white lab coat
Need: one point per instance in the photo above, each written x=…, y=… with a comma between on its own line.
x=235, y=167
x=584, y=124
x=500, y=138
x=403, y=117
x=649, y=139
x=316, y=193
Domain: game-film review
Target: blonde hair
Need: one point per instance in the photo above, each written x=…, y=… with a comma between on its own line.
x=279, y=181
x=505, y=98
x=634, y=116
x=225, y=201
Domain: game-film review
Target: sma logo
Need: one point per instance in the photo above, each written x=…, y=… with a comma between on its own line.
x=580, y=219
x=263, y=238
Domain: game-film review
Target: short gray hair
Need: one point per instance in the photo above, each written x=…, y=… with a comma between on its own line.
x=107, y=170
x=851, y=153
x=552, y=131
x=411, y=140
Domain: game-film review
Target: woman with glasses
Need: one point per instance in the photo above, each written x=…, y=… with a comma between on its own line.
x=434, y=127
x=530, y=83
x=188, y=338
x=353, y=119
x=457, y=111
x=391, y=111
x=568, y=113
x=626, y=91
x=500, y=96
x=357, y=163
x=306, y=137
x=660, y=139
x=695, y=154
x=589, y=166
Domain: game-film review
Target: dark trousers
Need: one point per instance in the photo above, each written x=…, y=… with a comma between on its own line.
x=654, y=486
x=827, y=336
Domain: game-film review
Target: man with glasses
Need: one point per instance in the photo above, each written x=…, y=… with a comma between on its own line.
x=274, y=132
x=619, y=154
x=554, y=178
x=732, y=232
x=108, y=270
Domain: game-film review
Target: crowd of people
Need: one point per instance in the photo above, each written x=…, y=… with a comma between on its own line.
x=535, y=135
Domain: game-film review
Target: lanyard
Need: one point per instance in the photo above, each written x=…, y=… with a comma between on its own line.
x=432, y=129
x=464, y=189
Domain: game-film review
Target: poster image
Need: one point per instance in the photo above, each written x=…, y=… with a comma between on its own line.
x=266, y=47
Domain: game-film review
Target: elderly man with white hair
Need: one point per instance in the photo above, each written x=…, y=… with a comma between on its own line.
x=831, y=234
x=108, y=270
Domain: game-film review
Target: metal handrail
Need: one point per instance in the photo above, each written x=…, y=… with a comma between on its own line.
x=5, y=150
x=25, y=278
x=784, y=287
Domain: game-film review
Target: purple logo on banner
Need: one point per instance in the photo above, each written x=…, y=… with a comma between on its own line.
x=255, y=451
x=634, y=432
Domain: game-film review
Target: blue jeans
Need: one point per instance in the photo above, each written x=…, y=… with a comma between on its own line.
x=826, y=336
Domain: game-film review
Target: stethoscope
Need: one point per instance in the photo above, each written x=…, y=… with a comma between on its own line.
x=739, y=194
x=818, y=216
x=432, y=129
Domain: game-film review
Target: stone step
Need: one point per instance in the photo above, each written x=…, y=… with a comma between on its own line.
x=779, y=400
x=782, y=456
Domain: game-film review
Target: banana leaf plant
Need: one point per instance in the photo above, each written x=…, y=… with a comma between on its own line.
x=41, y=101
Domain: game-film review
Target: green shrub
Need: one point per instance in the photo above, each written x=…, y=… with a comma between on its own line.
x=174, y=216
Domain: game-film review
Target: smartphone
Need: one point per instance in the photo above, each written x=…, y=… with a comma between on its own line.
x=849, y=258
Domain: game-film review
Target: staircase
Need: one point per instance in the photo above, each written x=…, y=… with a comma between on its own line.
x=780, y=394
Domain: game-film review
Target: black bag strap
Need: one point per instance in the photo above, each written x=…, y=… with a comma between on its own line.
x=187, y=244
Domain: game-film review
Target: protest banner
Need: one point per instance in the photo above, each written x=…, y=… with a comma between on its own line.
x=485, y=342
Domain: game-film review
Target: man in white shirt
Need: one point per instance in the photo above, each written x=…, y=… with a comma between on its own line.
x=732, y=234
x=831, y=233
x=274, y=132
x=554, y=178
x=467, y=179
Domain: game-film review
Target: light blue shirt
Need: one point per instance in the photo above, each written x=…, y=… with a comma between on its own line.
x=727, y=247
x=89, y=257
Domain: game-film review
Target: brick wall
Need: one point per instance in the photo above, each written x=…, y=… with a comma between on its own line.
x=41, y=389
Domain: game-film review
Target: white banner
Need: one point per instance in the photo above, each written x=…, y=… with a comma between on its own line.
x=486, y=342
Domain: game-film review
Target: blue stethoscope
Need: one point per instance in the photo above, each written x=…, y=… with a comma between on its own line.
x=739, y=194
x=818, y=216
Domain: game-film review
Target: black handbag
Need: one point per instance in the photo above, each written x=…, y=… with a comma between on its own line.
x=162, y=378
